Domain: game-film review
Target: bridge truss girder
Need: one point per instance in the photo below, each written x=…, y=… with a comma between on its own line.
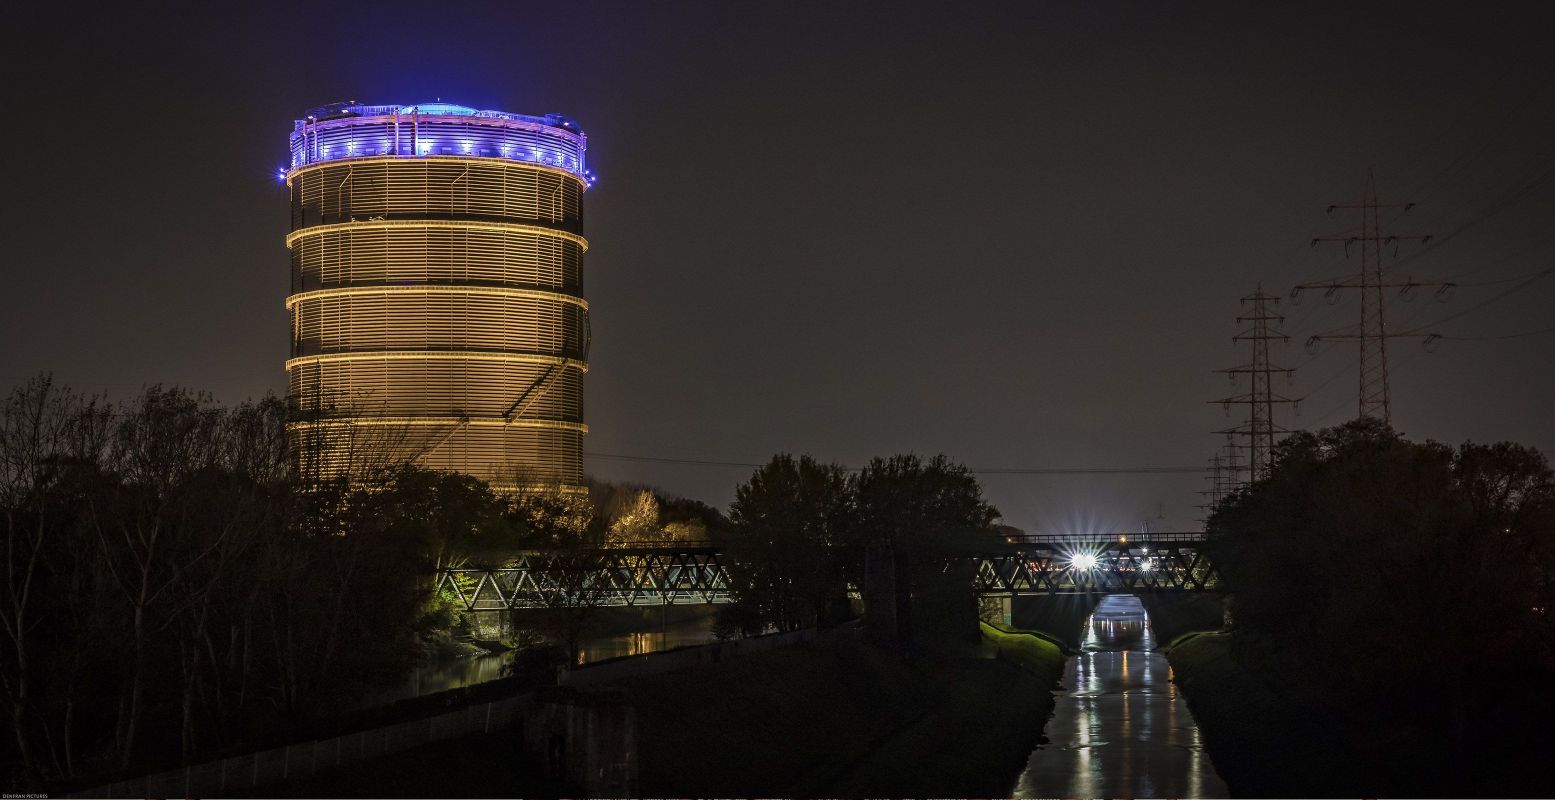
x=625, y=577
x=588, y=578
x=1119, y=568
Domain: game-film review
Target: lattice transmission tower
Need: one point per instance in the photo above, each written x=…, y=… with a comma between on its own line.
x=1224, y=476
x=1371, y=333
x=1258, y=433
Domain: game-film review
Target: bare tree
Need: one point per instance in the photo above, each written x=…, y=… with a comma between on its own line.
x=44, y=429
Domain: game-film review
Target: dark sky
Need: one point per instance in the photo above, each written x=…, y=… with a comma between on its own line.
x=1012, y=232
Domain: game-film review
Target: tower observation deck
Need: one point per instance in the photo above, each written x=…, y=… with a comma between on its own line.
x=436, y=301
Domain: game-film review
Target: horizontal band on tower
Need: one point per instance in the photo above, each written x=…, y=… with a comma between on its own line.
x=539, y=488
x=379, y=224
x=474, y=422
x=436, y=355
x=409, y=159
x=440, y=288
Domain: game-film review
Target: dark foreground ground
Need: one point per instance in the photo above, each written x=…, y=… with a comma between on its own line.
x=832, y=718
x=1267, y=740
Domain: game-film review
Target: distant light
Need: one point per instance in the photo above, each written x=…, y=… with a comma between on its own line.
x=280, y=175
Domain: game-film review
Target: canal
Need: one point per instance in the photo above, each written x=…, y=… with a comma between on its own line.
x=456, y=673
x=1119, y=726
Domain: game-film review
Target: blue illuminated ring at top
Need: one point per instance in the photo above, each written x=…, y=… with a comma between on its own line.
x=352, y=130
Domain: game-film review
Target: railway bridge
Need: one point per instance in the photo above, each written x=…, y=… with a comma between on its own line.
x=691, y=573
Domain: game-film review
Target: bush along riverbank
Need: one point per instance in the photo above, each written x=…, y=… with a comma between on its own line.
x=1260, y=742
x=1263, y=742
x=1268, y=739
x=1390, y=620
x=844, y=718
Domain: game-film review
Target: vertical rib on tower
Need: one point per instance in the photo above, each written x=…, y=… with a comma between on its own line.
x=437, y=290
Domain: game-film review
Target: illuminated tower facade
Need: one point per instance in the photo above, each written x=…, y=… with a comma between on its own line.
x=436, y=302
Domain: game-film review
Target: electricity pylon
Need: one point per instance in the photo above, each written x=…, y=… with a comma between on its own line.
x=1372, y=332
x=1258, y=433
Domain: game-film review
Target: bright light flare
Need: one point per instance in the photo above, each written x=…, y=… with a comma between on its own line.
x=1083, y=561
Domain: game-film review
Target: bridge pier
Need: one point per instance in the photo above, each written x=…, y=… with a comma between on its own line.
x=997, y=608
x=586, y=739
x=887, y=593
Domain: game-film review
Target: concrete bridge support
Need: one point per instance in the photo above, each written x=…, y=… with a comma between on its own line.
x=887, y=593
x=586, y=739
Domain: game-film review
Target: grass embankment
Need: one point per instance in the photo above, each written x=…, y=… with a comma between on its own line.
x=493, y=765
x=842, y=718
x=831, y=718
x=1262, y=744
x=1060, y=616
x=1179, y=613
x=1266, y=740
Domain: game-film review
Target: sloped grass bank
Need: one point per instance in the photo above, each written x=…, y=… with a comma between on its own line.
x=492, y=765
x=833, y=718
x=1262, y=744
x=842, y=718
x=1394, y=740
x=977, y=738
x=1060, y=617
x=1175, y=614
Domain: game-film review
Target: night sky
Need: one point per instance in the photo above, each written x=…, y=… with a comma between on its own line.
x=1015, y=233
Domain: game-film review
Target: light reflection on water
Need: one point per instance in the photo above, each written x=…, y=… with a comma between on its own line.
x=440, y=676
x=637, y=643
x=1120, y=729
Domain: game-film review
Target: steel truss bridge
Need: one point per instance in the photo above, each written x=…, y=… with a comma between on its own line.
x=681, y=574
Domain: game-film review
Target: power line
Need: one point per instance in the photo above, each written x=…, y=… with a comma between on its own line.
x=1481, y=304
x=1137, y=470
x=1516, y=195
x=1524, y=334
x=1501, y=128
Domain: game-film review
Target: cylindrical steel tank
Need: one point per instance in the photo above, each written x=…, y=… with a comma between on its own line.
x=436, y=298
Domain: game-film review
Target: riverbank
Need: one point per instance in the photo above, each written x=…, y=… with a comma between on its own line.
x=1261, y=744
x=845, y=718
x=1268, y=742
x=492, y=765
x=1062, y=617
x=1175, y=614
x=835, y=717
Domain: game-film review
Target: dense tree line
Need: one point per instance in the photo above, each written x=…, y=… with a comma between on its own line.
x=175, y=581
x=1402, y=593
x=799, y=530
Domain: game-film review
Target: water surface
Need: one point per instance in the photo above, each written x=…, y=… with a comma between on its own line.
x=1119, y=727
x=456, y=673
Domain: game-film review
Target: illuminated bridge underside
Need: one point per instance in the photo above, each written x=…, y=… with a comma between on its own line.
x=437, y=303
x=1126, y=569
x=691, y=575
